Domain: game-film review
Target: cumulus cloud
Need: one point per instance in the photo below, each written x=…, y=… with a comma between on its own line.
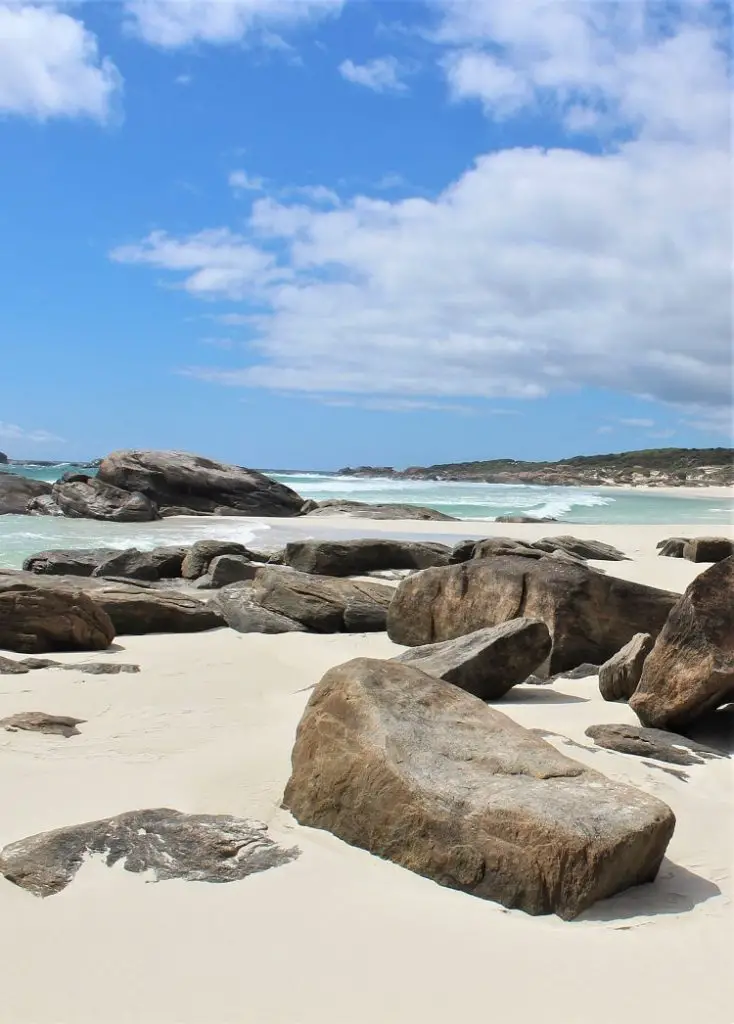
x=241, y=181
x=50, y=66
x=384, y=74
x=176, y=23
x=12, y=432
x=535, y=271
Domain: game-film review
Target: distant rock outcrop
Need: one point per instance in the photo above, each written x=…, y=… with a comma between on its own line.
x=94, y=499
x=365, y=510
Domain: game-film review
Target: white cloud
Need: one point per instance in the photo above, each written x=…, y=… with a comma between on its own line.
x=176, y=23
x=50, y=66
x=637, y=423
x=501, y=89
x=534, y=272
x=384, y=74
x=605, y=430
x=12, y=432
x=241, y=181
x=183, y=79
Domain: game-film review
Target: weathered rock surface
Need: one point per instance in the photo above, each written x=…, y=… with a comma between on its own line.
x=99, y=668
x=654, y=743
x=690, y=670
x=488, y=662
x=491, y=547
x=239, y=611
x=619, y=676
x=191, y=482
x=17, y=491
x=43, y=505
x=322, y=603
x=673, y=547
x=36, y=619
x=201, y=554
x=135, y=611
x=39, y=721
x=356, y=557
x=524, y=519
x=68, y=563
x=587, y=549
x=196, y=847
x=225, y=569
x=423, y=774
x=157, y=564
x=9, y=667
x=94, y=499
x=364, y=510
x=708, y=549
x=589, y=615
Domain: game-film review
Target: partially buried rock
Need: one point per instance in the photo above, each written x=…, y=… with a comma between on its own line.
x=592, y=549
x=356, y=557
x=619, y=676
x=488, y=662
x=158, y=564
x=201, y=554
x=100, y=668
x=525, y=519
x=167, y=843
x=240, y=613
x=8, y=667
x=95, y=499
x=397, y=762
x=690, y=670
x=36, y=619
x=193, y=483
x=708, y=549
x=136, y=611
x=39, y=721
x=589, y=615
x=654, y=743
x=321, y=603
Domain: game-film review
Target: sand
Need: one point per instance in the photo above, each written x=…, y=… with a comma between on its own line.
x=338, y=936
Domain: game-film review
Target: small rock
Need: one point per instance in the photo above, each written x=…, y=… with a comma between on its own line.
x=8, y=667
x=101, y=668
x=618, y=677
x=39, y=721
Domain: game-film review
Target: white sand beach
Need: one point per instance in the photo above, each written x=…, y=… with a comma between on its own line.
x=338, y=936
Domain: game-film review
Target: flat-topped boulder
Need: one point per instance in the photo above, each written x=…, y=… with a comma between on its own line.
x=192, y=482
x=35, y=619
x=163, y=563
x=488, y=662
x=366, y=510
x=654, y=743
x=708, y=549
x=396, y=762
x=96, y=499
x=321, y=603
x=491, y=547
x=356, y=557
x=589, y=615
x=17, y=491
x=62, y=562
x=690, y=670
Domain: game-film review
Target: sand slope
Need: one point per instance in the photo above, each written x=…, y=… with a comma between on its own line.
x=338, y=937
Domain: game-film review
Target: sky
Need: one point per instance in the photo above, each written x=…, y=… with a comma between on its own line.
x=318, y=233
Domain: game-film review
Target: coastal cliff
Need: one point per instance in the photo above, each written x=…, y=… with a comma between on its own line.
x=652, y=467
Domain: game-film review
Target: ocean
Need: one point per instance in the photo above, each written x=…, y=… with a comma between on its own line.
x=21, y=536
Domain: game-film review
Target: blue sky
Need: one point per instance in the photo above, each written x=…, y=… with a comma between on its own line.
x=311, y=233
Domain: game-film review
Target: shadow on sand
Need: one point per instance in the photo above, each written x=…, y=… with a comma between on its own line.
x=537, y=695
x=674, y=891
x=715, y=730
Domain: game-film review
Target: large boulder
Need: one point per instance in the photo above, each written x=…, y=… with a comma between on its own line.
x=488, y=662
x=593, y=549
x=35, y=619
x=191, y=482
x=356, y=557
x=95, y=499
x=135, y=610
x=619, y=676
x=68, y=563
x=690, y=670
x=162, y=563
x=201, y=554
x=491, y=547
x=708, y=549
x=365, y=510
x=589, y=615
x=17, y=491
x=162, y=842
x=321, y=603
x=396, y=762
x=240, y=612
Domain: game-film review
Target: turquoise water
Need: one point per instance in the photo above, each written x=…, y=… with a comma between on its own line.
x=21, y=536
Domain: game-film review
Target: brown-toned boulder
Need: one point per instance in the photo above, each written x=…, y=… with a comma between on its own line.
x=201, y=554
x=365, y=510
x=491, y=547
x=240, y=613
x=708, y=549
x=68, y=563
x=655, y=743
x=589, y=615
x=619, y=676
x=162, y=563
x=163, y=842
x=39, y=721
x=592, y=549
x=690, y=670
x=356, y=557
x=488, y=662
x=35, y=619
x=396, y=762
x=16, y=491
x=322, y=603
x=135, y=610
x=191, y=482
x=95, y=499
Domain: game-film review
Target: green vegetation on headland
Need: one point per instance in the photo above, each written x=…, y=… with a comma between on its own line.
x=652, y=467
